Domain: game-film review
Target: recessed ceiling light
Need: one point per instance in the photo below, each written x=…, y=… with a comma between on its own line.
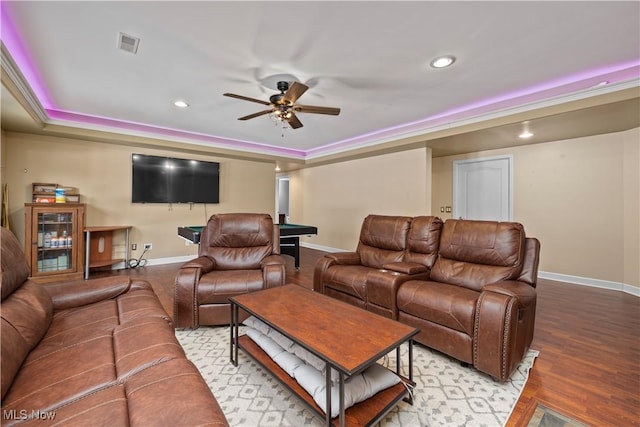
x=181, y=104
x=525, y=131
x=443, y=61
x=526, y=134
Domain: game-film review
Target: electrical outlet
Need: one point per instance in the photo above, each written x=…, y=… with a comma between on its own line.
x=134, y=246
x=148, y=246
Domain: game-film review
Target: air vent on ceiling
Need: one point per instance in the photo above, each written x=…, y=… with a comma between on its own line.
x=128, y=43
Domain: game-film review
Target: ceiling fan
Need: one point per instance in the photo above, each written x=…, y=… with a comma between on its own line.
x=283, y=107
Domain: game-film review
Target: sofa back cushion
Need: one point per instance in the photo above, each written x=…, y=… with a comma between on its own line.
x=26, y=316
x=238, y=241
x=475, y=253
x=383, y=240
x=423, y=240
x=15, y=269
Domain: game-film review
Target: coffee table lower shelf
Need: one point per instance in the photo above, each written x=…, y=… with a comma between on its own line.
x=366, y=413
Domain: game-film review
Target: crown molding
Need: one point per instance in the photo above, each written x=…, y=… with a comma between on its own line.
x=15, y=82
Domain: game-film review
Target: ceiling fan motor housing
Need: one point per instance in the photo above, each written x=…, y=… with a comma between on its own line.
x=283, y=86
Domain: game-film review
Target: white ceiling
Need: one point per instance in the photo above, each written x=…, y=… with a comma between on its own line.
x=371, y=59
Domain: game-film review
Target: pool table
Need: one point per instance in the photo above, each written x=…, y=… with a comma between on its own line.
x=289, y=237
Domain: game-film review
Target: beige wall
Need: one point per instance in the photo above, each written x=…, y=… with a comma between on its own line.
x=631, y=207
x=579, y=197
x=102, y=172
x=337, y=197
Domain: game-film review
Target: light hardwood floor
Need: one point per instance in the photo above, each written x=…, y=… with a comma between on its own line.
x=588, y=338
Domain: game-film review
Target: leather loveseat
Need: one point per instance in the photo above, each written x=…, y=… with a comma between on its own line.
x=96, y=353
x=477, y=301
x=238, y=253
x=391, y=250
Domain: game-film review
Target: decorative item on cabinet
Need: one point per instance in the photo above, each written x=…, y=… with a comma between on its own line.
x=54, y=193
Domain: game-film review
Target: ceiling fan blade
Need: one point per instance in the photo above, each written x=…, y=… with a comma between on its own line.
x=316, y=110
x=251, y=116
x=294, y=122
x=295, y=91
x=246, y=98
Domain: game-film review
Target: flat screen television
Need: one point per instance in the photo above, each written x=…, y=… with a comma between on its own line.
x=168, y=180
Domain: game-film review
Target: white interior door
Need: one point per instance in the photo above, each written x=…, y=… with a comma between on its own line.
x=483, y=188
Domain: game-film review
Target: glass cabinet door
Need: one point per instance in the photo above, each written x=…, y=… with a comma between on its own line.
x=55, y=241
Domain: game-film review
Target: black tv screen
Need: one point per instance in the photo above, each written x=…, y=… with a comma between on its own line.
x=169, y=180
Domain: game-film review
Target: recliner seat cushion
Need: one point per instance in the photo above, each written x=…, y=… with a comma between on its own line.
x=349, y=279
x=217, y=286
x=236, y=241
x=383, y=240
x=475, y=253
x=447, y=305
x=423, y=240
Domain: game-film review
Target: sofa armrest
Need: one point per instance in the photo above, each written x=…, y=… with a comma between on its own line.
x=338, y=258
x=273, y=271
x=504, y=324
x=272, y=260
x=205, y=263
x=185, y=304
x=78, y=293
x=523, y=292
x=406, y=267
x=344, y=258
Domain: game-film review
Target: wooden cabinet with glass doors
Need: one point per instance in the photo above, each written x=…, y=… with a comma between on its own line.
x=54, y=242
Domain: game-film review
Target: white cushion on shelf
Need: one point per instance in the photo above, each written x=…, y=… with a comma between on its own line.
x=356, y=387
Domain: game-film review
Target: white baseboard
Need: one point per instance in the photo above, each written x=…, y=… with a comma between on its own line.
x=576, y=280
x=587, y=281
x=322, y=248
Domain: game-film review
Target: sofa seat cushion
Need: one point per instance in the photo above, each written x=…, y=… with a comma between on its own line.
x=140, y=302
x=105, y=407
x=166, y=394
x=447, y=305
x=143, y=343
x=46, y=381
x=217, y=286
x=348, y=279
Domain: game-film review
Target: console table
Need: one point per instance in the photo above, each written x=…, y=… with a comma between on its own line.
x=99, y=244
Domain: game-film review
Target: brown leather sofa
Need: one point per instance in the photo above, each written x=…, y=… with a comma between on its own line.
x=477, y=301
x=96, y=353
x=238, y=254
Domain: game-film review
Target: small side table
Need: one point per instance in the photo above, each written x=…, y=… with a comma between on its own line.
x=99, y=254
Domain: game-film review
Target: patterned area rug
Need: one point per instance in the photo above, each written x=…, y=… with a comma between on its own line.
x=446, y=392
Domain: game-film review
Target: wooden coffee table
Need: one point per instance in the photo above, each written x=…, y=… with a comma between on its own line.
x=348, y=339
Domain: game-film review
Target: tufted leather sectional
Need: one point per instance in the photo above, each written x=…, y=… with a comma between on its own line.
x=96, y=353
x=469, y=286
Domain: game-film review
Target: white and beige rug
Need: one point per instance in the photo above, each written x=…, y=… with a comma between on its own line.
x=446, y=392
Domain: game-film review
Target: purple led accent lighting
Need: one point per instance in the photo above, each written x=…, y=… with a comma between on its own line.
x=155, y=130
x=574, y=83
x=20, y=55
x=545, y=91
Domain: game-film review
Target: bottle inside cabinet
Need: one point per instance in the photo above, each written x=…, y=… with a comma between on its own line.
x=54, y=241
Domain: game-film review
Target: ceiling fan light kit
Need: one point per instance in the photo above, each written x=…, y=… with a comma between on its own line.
x=283, y=105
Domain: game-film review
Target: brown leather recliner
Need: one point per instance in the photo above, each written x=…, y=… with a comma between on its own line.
x=479, y=302
x=238, y=254
x=391, y=250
